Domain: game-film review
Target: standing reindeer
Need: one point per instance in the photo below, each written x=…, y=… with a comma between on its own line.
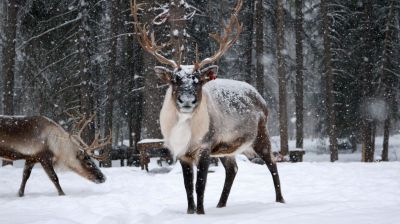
x=41, y=140
x=202, y=118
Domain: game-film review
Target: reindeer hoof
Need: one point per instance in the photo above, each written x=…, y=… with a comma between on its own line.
x=61, y=193
x=200, y=211
x=20, y=194
x=190, y=211
x=221, y=205
x=280, y=200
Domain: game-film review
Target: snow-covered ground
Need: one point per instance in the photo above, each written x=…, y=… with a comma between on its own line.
x=315, y=192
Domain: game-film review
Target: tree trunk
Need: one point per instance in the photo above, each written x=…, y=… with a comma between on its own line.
x=329, y=96
x=9, y=54
x=387, y=79
x=248, y=45
x=385, y=149
x=367, y=85
x=134, y=55
x=130, y=128
x=178, y=26
x=86, y=89
x=369, y=140
x=117, y=133
x=137, y=110
x=259, y=46
x=152, y=100
x=131, y=105
x=283, y=120
x=299, y=74
x=152, y=95
x=109, y=107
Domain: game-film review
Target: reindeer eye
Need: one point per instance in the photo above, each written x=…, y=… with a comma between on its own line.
x=80, y=156
x=195, y=79
x=178, y=79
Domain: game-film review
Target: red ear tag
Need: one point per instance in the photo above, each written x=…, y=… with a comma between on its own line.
x=211, y=75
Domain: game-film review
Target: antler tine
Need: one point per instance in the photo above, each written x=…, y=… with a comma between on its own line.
x=74, y=116
x=149, y=44
x=223, y=41
x=83, y=123
x=237, y=8
x=79, y=124
x=97, y=144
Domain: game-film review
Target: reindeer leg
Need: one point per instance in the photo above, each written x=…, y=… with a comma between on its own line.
x=27, y=173
x=231, y=168
x=48, y=167
x=262, y=146
x=202, y=172
x=187, y=170
x=229, y=164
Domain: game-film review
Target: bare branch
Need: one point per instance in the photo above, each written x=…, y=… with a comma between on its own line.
x=48, y=31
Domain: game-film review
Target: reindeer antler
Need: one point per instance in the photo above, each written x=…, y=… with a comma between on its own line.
x=148, y=43
x=224, y=41
x=83, y=123
x=96, y=144
x=74, y=115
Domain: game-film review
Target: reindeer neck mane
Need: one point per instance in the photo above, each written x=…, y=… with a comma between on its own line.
x=182, y=131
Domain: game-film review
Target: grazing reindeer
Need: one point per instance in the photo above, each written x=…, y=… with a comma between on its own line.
x=202, y=118
x=41, y=140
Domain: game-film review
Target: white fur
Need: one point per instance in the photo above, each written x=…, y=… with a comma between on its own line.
x=180, y=135
x=183, y=131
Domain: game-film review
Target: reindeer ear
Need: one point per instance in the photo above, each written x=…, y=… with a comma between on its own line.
x=209, y=73
x=163, y=73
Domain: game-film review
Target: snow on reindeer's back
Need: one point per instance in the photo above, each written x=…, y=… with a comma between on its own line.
x=235, y=96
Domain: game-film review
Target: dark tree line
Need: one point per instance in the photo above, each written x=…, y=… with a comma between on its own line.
x=326, y=68
x=364, y=57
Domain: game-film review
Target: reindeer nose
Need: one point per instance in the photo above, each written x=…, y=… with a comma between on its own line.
x=100, y=179
x=186, y=100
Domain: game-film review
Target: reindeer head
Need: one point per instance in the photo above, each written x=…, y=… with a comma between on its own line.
x=86, y=167
x=187, y=80
x=186, y=84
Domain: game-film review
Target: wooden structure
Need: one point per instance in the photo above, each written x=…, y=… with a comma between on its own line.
x=145, y=144
x=296, y=155
x=153, y=148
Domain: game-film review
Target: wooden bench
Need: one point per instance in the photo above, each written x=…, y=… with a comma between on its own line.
x=145, y=144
